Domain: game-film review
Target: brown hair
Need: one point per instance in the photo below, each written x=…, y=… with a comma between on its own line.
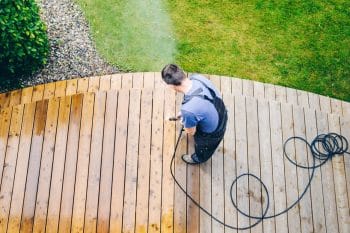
x=173, y=74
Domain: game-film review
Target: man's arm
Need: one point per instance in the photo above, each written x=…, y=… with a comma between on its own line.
x=190, y=131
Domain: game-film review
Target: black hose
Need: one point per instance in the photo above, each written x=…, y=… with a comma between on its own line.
x=323, y=148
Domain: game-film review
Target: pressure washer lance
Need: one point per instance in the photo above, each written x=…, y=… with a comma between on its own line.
x=175, y=118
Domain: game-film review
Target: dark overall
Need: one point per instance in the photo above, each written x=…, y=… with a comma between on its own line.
x=206, y=143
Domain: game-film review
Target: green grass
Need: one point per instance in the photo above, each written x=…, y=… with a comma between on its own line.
x=133, y=34
x=300, y=44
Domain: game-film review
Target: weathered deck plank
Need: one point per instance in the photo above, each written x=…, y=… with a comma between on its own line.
x=255, y=195
x=193, y=190
x=318, y=209
x=229, y=168
x=340, y=181
x=131, y=159
x=156, y=162
x=266, y=162
x=217, y=180
x=330, y=206
x=345, y=131
x=116, y=218
x=167, y=221
x=292, y=191
x=142, y=199
x=278, y=166
x=242, y=159
x=303, y=174
x=180, y=175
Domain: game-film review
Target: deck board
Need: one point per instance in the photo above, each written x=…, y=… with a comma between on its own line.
x=65, y=162
x=107, y=162
x=34, y=167
x=93, y=155
x=156, y=161
x=266, y=162
x=83, y=85
x=82, y=172
x=5, y=119
x=344, y=130
x=193, y=190
x=131, y=163
x=229, y=168
x=57, y=167
x=167, y=221
x=116, y=217
x=27, y=95
x=72, y=86
x=217, y=180
x=142, y=199
x=329, y=199
x=318, y=209
x=339, y=181
x=303, y=174
x=270, y=92
x=94, y=177
x=278, y=166
x=15, y=98
x=60, y=89
x=46, y=166
x=242, y=160
x=15, y=214
x=49, y=90
x=281, y=94
x=4, y=99
x=255, y=198
x=291, y=171
x=10, y=160
x=38, y=93
x=180, y=175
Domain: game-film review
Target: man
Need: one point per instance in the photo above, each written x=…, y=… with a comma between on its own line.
x=203, y=112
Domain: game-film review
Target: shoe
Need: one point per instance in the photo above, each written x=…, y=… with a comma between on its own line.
x=188, y=159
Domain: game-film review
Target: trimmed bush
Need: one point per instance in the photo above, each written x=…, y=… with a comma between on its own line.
x=24, y=44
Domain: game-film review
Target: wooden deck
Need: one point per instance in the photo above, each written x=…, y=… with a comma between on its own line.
x=93, y=155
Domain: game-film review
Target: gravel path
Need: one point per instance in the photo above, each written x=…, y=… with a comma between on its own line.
x=73, y=53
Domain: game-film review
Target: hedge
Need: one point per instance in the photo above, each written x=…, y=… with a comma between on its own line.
x=24, y=45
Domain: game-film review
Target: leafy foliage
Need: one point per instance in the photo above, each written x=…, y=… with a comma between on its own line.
x=24, y=44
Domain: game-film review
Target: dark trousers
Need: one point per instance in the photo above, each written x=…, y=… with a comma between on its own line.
x=206, y=143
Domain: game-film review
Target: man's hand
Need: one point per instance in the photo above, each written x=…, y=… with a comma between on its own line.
x=190, y=131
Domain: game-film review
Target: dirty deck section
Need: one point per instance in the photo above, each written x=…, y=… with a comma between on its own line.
x=93, y=155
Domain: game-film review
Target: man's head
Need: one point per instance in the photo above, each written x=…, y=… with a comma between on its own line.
x=173, y=75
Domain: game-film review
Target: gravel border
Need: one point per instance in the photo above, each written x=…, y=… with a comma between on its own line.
x=72, y=51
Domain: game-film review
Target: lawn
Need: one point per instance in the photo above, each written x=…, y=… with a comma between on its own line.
x=299, y=44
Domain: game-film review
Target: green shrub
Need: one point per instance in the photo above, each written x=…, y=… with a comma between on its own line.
x=24, y=44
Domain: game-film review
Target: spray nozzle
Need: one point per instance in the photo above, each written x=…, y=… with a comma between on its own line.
x=174, y=118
